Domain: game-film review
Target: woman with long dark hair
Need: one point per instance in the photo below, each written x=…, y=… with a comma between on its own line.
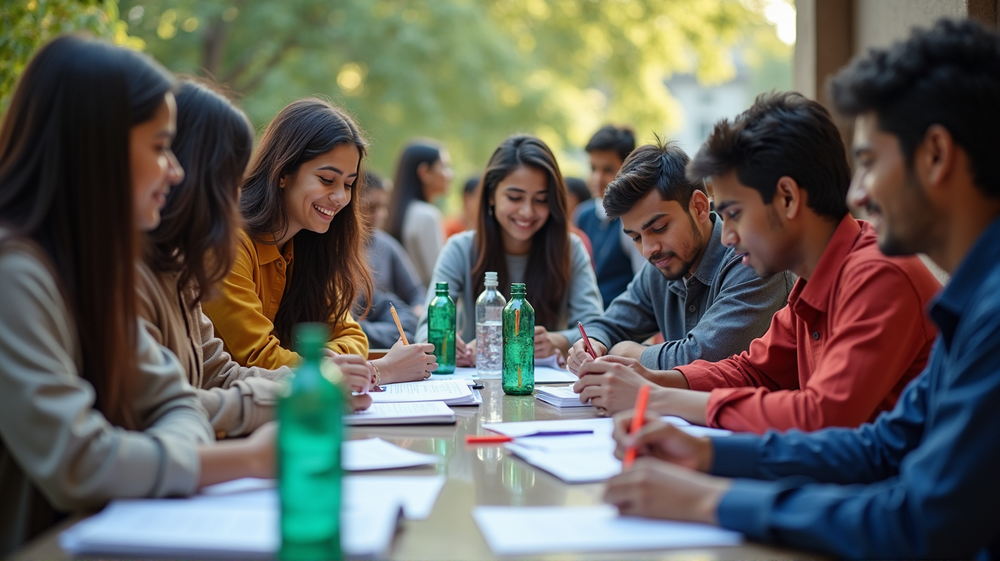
x=192, y=250
x=91, y=408
x=301, y=255
x=523, y=234
x=423, y=173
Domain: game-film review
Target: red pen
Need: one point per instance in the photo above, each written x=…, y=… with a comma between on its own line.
x=501, y=438
x=586, y=341
x=640, y=412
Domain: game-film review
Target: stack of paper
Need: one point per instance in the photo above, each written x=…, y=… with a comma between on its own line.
x=563, y=396
x=524, y=531
x=452, y=392
x=466, y=374
x=375, y=454
x=417, y=413
x=547, y=371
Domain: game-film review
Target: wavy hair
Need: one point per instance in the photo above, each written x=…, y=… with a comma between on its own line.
x=330, y=268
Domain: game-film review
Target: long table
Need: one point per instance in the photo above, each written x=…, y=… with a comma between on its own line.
x=481, y=476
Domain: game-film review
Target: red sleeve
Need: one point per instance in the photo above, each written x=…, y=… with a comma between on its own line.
x=877, y=331
x=769, y=363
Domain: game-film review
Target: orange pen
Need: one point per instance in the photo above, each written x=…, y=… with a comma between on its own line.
x=640, y=413
x=399, y=326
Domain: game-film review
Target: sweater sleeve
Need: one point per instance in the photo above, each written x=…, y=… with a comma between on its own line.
x=630, y=316
x=238, y=316
x=48, y=420
x=347, y=338
x=423, y=238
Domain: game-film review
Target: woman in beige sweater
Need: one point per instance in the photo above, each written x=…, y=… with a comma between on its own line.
x=91, y=408
x=193, y=248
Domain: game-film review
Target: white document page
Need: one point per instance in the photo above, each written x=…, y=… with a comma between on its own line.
x=428, y=390
x=416, y=493
x=563, y=396
x=375, y=453
x=414, y=413
x=548, y=375
x=218, y=526
x=467, y=374
x=538, y=530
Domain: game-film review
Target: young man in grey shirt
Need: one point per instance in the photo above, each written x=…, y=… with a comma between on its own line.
x=693, y=290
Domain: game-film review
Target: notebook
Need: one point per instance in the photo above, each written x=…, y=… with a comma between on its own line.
x=563, y=396
x=416, y=413
x=451, y=392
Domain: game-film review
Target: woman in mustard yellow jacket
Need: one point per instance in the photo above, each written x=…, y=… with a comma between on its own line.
x=301, y=257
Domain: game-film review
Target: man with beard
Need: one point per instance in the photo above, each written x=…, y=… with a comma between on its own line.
x=921, y=481
x=854, y=332
x=693, y=290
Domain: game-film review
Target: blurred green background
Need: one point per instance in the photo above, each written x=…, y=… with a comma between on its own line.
x=466, y=72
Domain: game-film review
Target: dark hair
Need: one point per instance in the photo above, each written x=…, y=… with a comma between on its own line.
x=372, y=180
x=782, y=134
x=578, y=188
x=548, y=271
x=471, y=184
x=620, y=140
x=65, y=184
x=407, y=186
x=657, y=166
x=947, y=75
x=330, y=268
x=199, y=224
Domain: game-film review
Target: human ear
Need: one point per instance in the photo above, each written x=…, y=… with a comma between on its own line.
x=934, y=158
x=699, y=206
x=788, y=197
x=423, y=168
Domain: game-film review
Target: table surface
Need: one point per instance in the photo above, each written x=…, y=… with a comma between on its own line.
x=480, y=476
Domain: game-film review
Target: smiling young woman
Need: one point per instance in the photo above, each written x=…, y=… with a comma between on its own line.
x=523, y=235
x=91, y=408
x=301, y=257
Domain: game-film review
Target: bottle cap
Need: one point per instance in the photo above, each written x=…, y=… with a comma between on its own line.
x=491, y=278
x=310, y=338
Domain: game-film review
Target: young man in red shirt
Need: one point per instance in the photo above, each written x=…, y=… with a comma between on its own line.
x=854, y=332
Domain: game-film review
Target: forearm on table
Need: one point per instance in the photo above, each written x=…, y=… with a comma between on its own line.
x=686, y=404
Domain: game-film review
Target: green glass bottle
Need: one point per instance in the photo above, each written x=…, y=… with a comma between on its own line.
x=441, y=328
x=310, y=434
x=518, y=343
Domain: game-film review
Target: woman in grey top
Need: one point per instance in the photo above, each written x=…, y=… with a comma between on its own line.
x=91, y=408
x=523, y=234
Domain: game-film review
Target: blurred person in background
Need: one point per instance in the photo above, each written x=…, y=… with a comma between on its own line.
x=470, y=202
x=616, y=259
x=576, y=193
x=393, y=276
x=422, y=174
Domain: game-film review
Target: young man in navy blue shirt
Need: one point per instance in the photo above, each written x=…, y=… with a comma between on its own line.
x=922, y=480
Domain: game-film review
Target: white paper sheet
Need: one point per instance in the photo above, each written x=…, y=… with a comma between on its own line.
x=218, y=526
x=452, y=392
x=547, y=375
x=415, y=413
x=375, y=454
x=461, y=373
x=537, y=530
x=416, y=493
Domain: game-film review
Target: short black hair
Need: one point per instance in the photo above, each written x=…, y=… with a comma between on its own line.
x=782, y=134
x=620, y=140
x=578, y=188
x=947, y=75
x=471, y=184
x=657, y=166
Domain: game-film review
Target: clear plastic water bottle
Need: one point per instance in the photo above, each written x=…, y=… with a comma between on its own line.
x=489, y=329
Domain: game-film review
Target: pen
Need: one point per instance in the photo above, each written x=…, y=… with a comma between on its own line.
x=501, y=438
x=395, y=317
x=640, y=412
x=586, y=341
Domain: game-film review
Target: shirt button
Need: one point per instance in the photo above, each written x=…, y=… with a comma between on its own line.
x=281, y=264
x=692, y=308
x=816, y=335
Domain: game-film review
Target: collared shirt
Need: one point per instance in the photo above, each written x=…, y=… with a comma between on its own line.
x=244, y=312
x=839, y=354
x=921, y=481
x=712, y=315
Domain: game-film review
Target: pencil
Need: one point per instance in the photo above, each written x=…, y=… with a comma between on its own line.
x=640, y=412
x=395, y=318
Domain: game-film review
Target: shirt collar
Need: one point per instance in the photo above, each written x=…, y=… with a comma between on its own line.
x=964, y=284
x=816, y=291
x=268, y=253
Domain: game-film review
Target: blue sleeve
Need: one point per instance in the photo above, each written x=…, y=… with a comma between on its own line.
x=926, y=472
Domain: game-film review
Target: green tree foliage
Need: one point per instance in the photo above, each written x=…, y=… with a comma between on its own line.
x=468, y=72
x=28, y=24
